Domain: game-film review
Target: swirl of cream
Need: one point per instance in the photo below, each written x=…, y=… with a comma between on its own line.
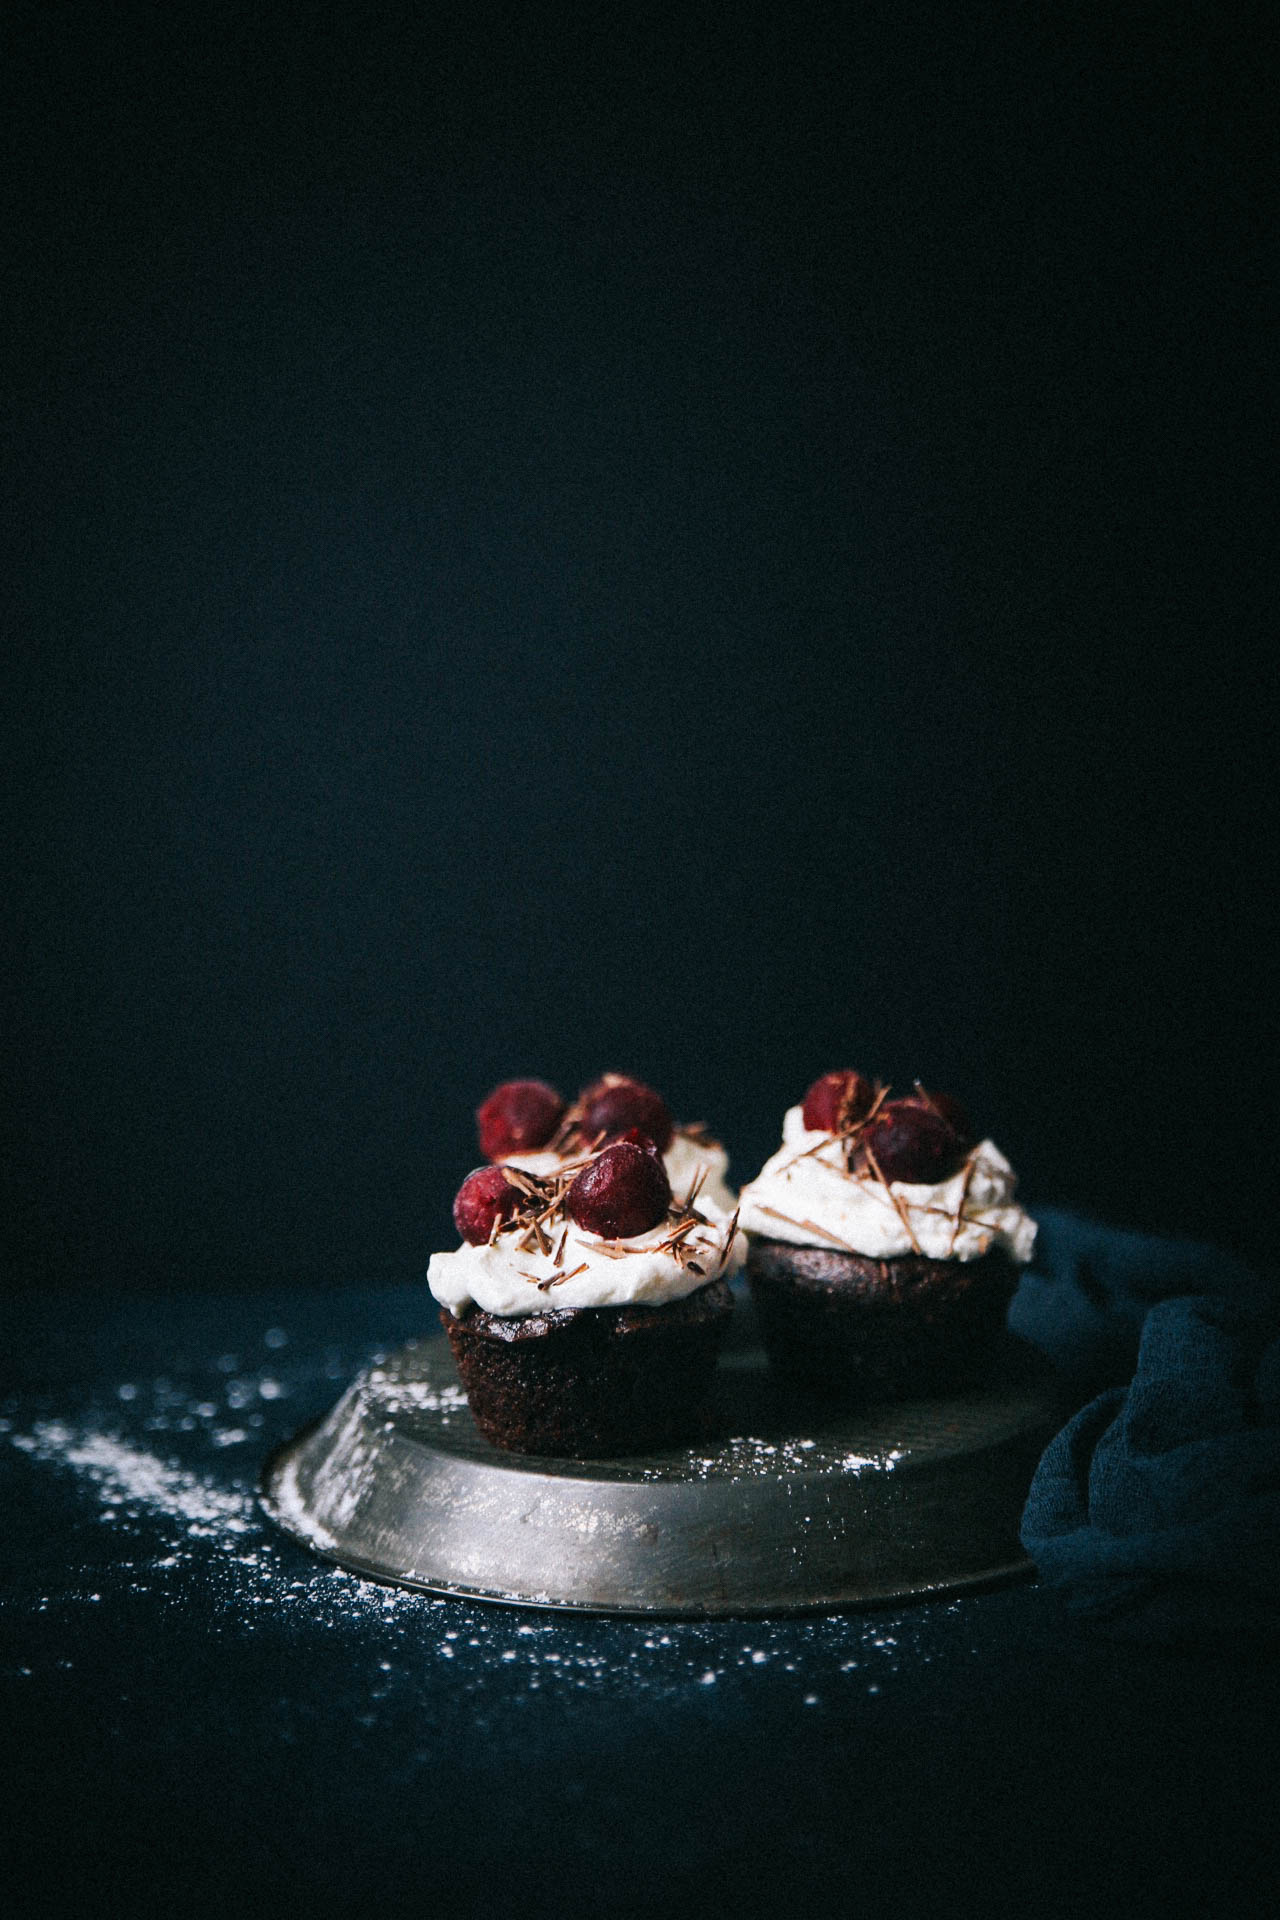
x=806, y=1196
x=585, y=1270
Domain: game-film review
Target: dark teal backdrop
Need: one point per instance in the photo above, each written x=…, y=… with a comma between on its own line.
x=706, y=548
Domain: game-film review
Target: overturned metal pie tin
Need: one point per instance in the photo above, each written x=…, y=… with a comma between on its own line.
x=784, y=1507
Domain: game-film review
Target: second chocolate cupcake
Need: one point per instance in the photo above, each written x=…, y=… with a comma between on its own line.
x=885, y=1243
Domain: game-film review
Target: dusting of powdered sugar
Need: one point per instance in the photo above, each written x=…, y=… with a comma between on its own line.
x=397, y=1395
x=157, y=1478
x=747, y=1456
x=127, y=1477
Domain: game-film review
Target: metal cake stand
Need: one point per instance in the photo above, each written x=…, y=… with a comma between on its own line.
x=783, y=1507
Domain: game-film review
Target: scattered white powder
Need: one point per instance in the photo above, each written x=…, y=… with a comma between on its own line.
x=859, y=1462
x=127, y=1477
x=212, y=1539
x=420, y=1396
x=746, y=1456
x=169, y=1466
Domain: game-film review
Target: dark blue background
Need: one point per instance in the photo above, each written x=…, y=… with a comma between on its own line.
x=711, y=548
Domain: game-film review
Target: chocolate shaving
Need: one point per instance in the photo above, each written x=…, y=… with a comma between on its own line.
x=567, y=1170
x=673, y=1239
x=964, y=1195
x=727, y=1248
x=820, y=1146
x=810, y=1226
x=566, y=1134
x=558, y=1279
x=568, y=1137
x=851, y=1136
x=898, y=1205
x=846, y=1136
x=695, y=1188
x=526, y=1183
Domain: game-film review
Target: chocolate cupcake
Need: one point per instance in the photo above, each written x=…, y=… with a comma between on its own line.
x=586, y=1306
x=590, y=1380
x=884, y=1243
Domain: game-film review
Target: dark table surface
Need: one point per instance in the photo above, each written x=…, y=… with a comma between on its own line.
x=197, y=1712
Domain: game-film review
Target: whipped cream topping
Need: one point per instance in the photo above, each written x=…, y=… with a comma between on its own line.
x=592, y=1271
x=805, y=1196
x=683, y=1159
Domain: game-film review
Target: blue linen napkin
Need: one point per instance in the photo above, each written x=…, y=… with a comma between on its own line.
x=1156, y=1510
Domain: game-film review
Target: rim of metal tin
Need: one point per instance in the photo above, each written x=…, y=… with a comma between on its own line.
x=1019, y=1569
x=778, y=1511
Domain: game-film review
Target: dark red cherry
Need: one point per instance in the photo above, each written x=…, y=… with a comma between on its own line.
x=615, y=1103
x=623, y=1192
x=912, y=1142
x=949, y=1107
x=836, y=1101
x=484, y=1196
x=518, y=1117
